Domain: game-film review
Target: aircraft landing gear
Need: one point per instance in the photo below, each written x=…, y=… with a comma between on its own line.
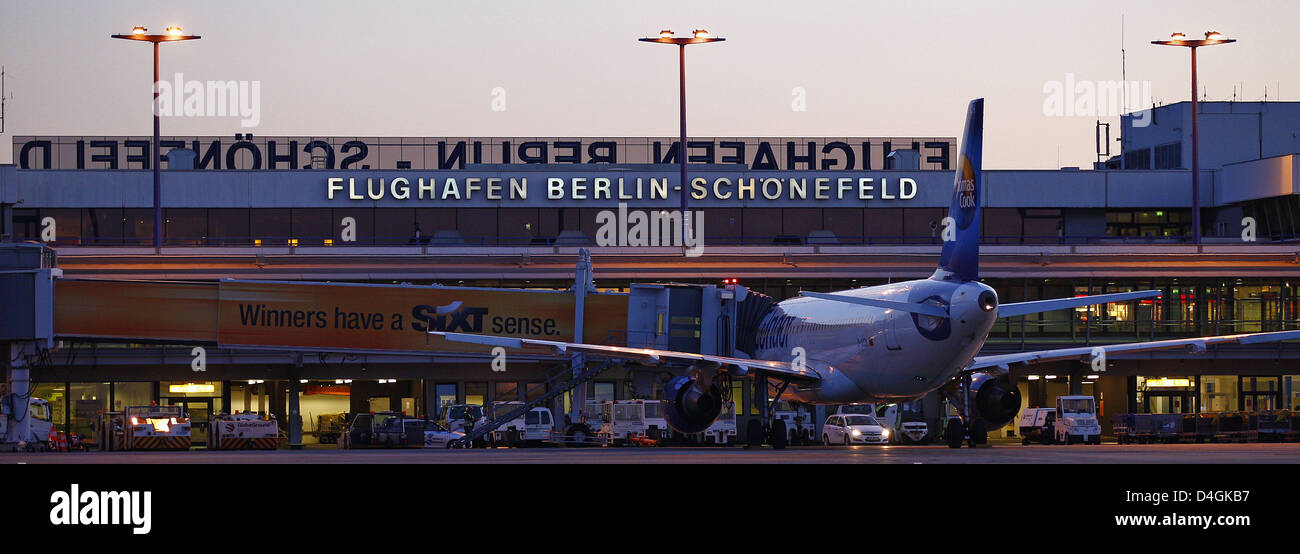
x=955, y=432
x=754, y=434
x=979, y=433
x=767, y=428
x=778, y=436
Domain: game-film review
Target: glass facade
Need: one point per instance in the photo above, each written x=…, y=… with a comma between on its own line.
x=522, y=226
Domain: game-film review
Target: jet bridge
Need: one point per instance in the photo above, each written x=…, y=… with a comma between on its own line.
x=703, y=319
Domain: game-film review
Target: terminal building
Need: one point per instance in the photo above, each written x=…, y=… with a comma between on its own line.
x=780, y=215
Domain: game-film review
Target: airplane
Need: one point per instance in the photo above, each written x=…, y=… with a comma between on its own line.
x=893, y=343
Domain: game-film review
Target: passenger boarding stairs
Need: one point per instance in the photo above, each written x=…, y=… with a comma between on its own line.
x=557, y=382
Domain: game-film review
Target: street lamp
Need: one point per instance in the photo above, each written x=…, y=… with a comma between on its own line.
x=700, y=36
x=1212, y=38
x=173, y=34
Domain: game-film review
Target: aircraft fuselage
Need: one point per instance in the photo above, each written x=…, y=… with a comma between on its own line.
x=865, y=354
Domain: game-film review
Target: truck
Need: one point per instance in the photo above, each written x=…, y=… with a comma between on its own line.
x=155, y=428
x=529, y=429
x=453, y=416
x=247, y=431
x=623, y=420
x=38, y=410
x=1076, y=420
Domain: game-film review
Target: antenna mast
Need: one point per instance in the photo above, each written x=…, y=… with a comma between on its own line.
x=1123, y=80
x=2, y=100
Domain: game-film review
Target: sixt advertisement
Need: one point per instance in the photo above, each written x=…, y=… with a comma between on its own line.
x=345, y=316
x=326, y=315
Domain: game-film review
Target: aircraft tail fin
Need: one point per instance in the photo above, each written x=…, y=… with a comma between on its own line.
x=960, y=258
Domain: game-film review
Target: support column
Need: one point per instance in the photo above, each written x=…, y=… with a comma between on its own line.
x=582, y=283
x=18, y=398
x=295, y=414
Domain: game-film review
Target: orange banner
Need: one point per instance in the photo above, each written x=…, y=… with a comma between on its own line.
x=147, y=311
x=325, y=315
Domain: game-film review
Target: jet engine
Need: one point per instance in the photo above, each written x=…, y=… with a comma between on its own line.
x=690, y=406
x=996, y=400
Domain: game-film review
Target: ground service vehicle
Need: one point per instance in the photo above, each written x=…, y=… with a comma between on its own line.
x=722, y=430
x=1037, y=425
x=437, y=436
x=243, y=432
x=364, y=431
x=905, y=422
x=1076, y=420
x=624, y=419
x=41, y=425
x=453, y=416
x=330, y=426
x=531, y=428
x=799, y=425
x=155, y=428
x=849, y=429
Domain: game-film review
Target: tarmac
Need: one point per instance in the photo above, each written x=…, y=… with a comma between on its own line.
x=1005, y=453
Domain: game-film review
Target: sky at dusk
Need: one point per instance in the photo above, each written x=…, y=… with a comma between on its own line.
x=574, y=68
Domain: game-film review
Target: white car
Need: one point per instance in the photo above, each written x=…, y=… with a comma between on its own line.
x=848, y=429
x=437, y=436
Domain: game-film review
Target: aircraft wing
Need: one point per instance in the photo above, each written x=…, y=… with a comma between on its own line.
x=1085, y=353
x=1038, y=306
x=648, y=356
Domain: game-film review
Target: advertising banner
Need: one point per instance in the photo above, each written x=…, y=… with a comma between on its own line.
x=325, y=316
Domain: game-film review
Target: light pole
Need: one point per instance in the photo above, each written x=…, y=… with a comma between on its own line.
x=1212, y=38
x=172, y=34
x=700, y=36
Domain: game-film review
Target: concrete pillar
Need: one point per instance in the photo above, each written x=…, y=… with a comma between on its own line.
x=1076, y=384
x=295, y=415
x=248, y=397
x=19, y=381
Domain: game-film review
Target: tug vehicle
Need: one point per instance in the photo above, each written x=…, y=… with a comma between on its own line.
x=723, y=430
x=1037, y=425
x=243, y=432
x=799, y=425
x=155, y=428
x=1076, y=420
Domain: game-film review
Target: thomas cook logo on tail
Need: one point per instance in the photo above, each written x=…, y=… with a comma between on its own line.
x=963, y=191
